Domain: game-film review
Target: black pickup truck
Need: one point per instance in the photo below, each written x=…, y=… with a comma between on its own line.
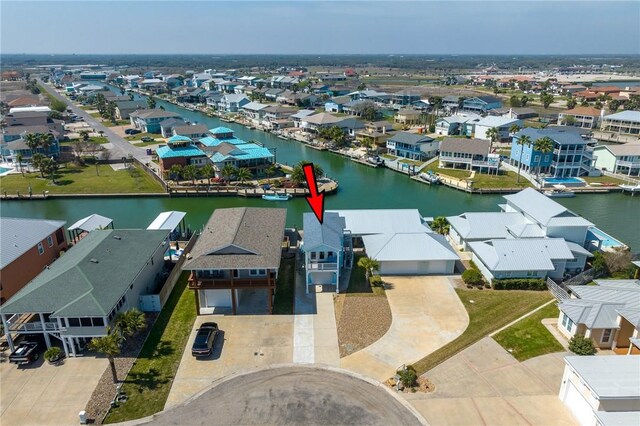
x=25, y=353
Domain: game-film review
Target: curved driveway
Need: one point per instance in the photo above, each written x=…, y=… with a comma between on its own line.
x=427, y=314
x=292, y=396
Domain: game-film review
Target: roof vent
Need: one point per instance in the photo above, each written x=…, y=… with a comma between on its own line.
x=189, y=257
x=117, y=237
x=93, y=260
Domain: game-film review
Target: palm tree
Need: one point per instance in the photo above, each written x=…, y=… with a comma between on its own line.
x=110, y=346
x=270, y=171
x=46, y=140
x=36, y=160
x=441, y=225
x=33, y=141
x=129, y=322
x=369, y=265
x=175, y=172
x=243, y=174
x=151, y=102
x=514, y=129
x=493, y=134
x=228, y=172
x=297, y=175
x=190, y=172
x=19, y=161
x=522, y=141
x=207, y=171
x=545, y=146
x=317, y=169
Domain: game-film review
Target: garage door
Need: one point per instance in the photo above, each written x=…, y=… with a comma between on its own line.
x=217, y=298
x=578, y=405
x=416, y=267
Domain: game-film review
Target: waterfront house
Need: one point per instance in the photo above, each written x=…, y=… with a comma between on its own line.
x=608, y=313
x=298, y=116
x=272, y=94
x=457, y=124
x=623, y=123
x=149, y=120
x=481, y=104
x=297, y=99
x=517, y=113
x=232, y=102
x=167, y=126
x=503, y=124
x=623, y=159
x=239, y=154
x=405, y=97
x=412, y=146
x=355, y=106
x=469, y=154
x=27, y=247
x=376, y=132
x=277, y=117
x=571, y=155
x=235, y=261
x=327, y=249
x=451, y=102
x=350, y=126
x=482, y=226
x=194, y=131
x=79, y=295
x=408, y=117
x=253, y=111
x=180, y=150
x=400, y=240
x=19, y=147
x=125, y=108
x=315, y=122
x=13, y=133
x=602, y=390
x=583, y=117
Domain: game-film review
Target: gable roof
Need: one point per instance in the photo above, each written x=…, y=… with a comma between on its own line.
x=609, y=376
x=485, y=225
x=154, y=113
x=190, y=129
x=410, y=138
x=91, y=277
x=322, y=118
x=240, y=238
x=18, y=235
x=531, y=254
x=91, y=223
x=466, y=146
x=330, y=233
x=544, y=210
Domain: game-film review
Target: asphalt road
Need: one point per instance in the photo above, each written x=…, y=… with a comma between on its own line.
x=291, y=396
x=121, y=147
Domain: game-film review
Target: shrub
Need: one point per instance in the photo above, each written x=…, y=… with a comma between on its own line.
x=599, y=264
x=375, y=281
x=536, y=284
x=472, y=277
x=581, y=345
x=54, y=353
x=408, y=376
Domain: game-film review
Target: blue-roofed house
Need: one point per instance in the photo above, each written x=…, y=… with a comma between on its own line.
x=571, y=155
x=223, y=148
x=412, y=146
x=180, y=150
x=327, y=249
x=481, y=104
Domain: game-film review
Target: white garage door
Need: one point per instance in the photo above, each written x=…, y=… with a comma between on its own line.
x=416, y=267
x=578, y=405
x=217, y=298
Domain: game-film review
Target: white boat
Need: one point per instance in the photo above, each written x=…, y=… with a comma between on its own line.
x=559, y=191
x=429, y=177
x=276, y=197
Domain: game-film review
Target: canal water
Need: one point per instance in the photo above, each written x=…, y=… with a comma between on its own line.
x=361, y=187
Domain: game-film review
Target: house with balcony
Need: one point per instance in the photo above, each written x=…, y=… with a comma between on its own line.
x=232, y=102
x=622, y=123
x=457, y=124
x=408, y=117
x=413, y=146
x=182, y=151
x=313, y=123
x=375, y=132
x=125, y=108
x=469, y=154
x=481, y=104
x=234, y=263
x=502, y=124
x=253, y=111
x=608, y=313
x=148, y=120
x=623, y=159
x=79, y=295
x=583, y=117
x=193, y=131
x=277, y=117
x=327, y=249
x=28, y=246
x=239, y=154
x=405, y=97
x=571, y=156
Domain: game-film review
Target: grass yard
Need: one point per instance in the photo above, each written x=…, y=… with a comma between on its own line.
x=92, y=139
x=454, y=173
x=283, y=299
x=413, y=162
x=73, y=179
x=528, y=338
x=149, y=380
x=503, y=180
x=139, y=136
x=95, y=114
x=604, y=180
x=488, y=310
x=144, y=144
x=358, y=285
x=109, y=123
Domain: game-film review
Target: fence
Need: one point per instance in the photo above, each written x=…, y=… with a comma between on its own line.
x=558, y=290
x=152, y=173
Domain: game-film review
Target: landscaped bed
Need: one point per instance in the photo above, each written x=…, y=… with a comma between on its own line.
x=148, y=383
x=283, y=299
x=73, y=179
x=488, y=311
x=529, y=338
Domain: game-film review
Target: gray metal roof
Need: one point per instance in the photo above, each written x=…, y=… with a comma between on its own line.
x=91, y=277
x=485, y=225
x=560, y=135
x=90, y=223
x=17, y=236
x=167, y=220
x=543, y=209
x=529, y=254
x=591, y=314
x=628, y=296
x=329, y=234
x=609, y=376
x=410, y=138
x=618, y=418
x=240, y=238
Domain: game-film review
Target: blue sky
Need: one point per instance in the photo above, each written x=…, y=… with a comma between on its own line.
x=322, y=27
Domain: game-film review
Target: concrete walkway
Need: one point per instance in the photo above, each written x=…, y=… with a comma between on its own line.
x=427, y=314
x=485, y=385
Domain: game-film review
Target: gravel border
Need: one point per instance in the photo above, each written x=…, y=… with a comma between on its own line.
x=363, y=320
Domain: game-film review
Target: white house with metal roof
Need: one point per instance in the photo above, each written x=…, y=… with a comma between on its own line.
x=608, y=313
x=602, y=390
x=623, y=122
x=503, y=124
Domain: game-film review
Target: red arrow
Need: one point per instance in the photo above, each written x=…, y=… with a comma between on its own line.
x=315, y=200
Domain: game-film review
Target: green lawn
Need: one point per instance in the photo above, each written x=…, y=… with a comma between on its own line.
x=283, y=299
x=143, y=144
x=95, y=114
x=358, y=285
x=148, y=383
x=605, y=180
x=503, y=180
x=83, y=180
x=455, y=173
x=528, y=338
x=142, y=135
x=488, y=310
x=413, y=162
x=92, y=139
x=108, y=123
x=388, y=156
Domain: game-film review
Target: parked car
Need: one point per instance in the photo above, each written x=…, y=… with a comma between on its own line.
x=147, y=139
x=132, y=131
x=25, y=353
x=205, y=339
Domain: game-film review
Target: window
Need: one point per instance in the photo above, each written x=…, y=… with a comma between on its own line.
x=85, y=322
x=564, y=320
x=321, y=255
x=257, y=272
x=313, y=255
x=236, y=274
x=97, y=322
x=330, y=254
x=40, y=248
x=606, y=335
x=74, y=322
x=50, y=241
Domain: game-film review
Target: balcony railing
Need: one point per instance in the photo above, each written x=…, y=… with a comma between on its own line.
x=322, y=266
x=212, y=283
x=34, y=327
x=628, y=163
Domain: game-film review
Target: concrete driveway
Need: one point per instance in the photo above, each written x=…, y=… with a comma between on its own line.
x=246, y=342
x=427, y=314
x=292, y=396
x=46, y=394
x=485, y=385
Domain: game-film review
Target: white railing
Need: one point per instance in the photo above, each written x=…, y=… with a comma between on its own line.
x=34, y=326
x=628, y=163
x=322, y=266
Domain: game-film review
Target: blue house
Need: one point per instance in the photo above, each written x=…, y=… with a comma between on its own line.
x=223, y=148
x=571, y=155
x=481, y=104
x=412, y=146
x=327, y=249
x=11, y=150
x=336, y=104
